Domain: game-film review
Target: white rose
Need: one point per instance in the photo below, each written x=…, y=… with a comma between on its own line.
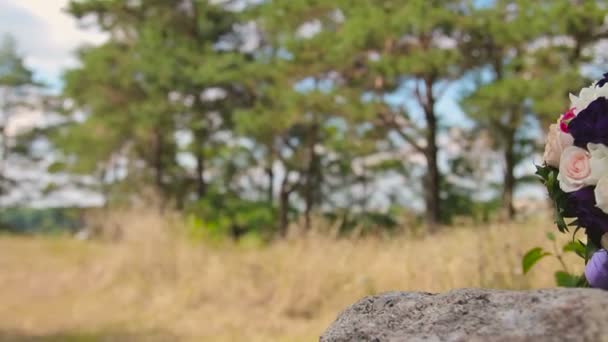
x=601, y=194
x=586, y=96
x=598, y=162
x=604, y=241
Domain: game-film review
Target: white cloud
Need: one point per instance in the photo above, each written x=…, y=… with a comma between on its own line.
x=47, y=35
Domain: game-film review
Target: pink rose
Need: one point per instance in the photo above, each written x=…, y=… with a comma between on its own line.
x=574, y=169
x=557, y=141
x=565, y=120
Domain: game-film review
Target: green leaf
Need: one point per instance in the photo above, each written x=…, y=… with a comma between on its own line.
x=552, y=180
x=565, y=279
x=559, y=220
x=57, y=167
x=578, y=227
x=582, y=282
x=575, y=247
x=551, y=236
x=543, y=172
x=532, y=257
x=589, y=250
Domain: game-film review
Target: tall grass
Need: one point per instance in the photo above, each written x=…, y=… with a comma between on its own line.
x=155, y=284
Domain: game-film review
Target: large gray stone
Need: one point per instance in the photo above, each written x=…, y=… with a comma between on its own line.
x=476, y=315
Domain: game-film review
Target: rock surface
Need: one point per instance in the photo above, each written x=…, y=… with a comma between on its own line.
x=476, y=315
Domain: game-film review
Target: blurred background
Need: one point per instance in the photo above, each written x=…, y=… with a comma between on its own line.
x=242, y=170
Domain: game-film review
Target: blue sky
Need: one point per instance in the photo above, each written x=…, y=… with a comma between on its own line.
x=47, y=36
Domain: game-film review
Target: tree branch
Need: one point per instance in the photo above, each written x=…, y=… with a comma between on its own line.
x=390, y=121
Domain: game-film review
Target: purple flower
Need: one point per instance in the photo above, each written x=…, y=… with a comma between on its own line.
x=603, y=80
x=591, y=124
x=596, y=270
x=582, y=205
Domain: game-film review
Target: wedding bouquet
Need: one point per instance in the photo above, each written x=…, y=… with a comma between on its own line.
x=575, y=171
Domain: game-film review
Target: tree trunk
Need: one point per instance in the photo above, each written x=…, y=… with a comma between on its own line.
x=284, y=207
x=201, y=184
x=311, y=176
x=3, y=156
x=509, y=178
x=270, y=191
x=159, y=166
x=432, y=179
x=4, y=140
x=508, y=152
x=3, y=147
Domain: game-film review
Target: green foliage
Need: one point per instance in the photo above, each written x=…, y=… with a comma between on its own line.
x=548, y=176
x=577, y=247
x=252, y=137
x=532, y=257
x=504, y=53
x=16, y=92
x=364, y=222
x=39, y=221
x=13, y=72
x=565, y=279
x=141, y=90
x=590, y=249
x=221, y=215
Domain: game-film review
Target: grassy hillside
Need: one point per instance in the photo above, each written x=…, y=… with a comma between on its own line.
x=156, y=285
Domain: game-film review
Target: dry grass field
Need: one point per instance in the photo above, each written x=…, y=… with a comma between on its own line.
x=156, y=285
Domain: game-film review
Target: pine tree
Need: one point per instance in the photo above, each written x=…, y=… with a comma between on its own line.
x=525, y=71
x=16, y=83
x=407, y=45
x=307, y=120
x=154, y=75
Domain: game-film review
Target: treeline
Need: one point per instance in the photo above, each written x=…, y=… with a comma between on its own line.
x=253, y=115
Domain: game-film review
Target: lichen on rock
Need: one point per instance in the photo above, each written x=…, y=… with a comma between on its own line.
x=475, y=315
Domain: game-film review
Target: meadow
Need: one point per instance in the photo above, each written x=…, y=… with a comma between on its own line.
x=257, y=118
x=156, y=284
